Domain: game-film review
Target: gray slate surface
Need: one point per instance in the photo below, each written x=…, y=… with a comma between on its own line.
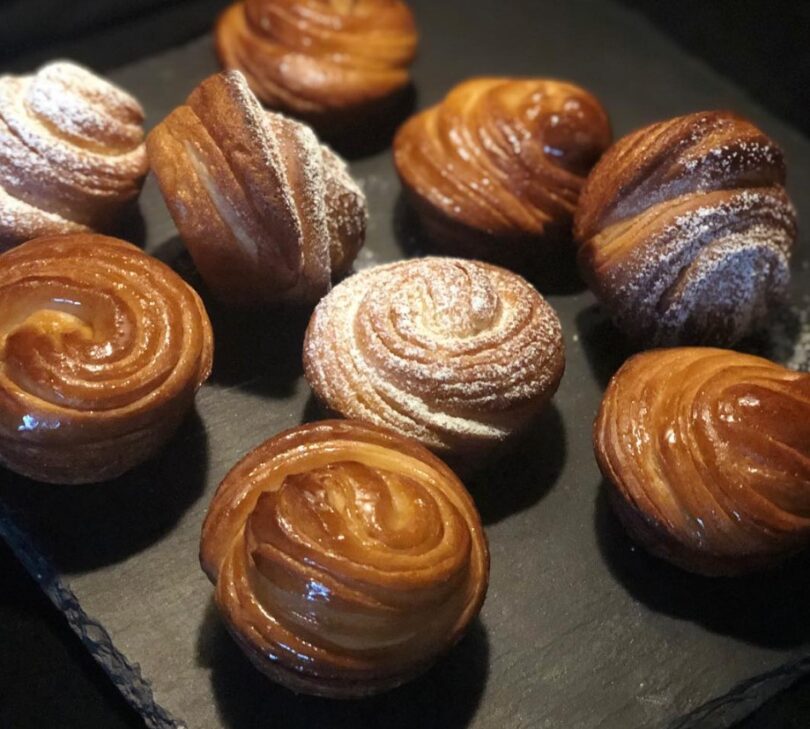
x=580, y=629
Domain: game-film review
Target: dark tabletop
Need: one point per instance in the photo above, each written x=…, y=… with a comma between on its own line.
x=46, y=677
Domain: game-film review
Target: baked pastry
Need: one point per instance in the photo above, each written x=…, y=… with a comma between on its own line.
x=102, y=349
x=459, y=355
x=346, y=559
x=267, y=212
x=685, y=230
x=333, y=63
x=707, y=456
x=494, y=170
x=71, y=153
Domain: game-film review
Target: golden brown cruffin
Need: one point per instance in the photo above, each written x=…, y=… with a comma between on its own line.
x=685, y=230
x=460, y=355
x=494, y=170
x=102, y=349
x=707, y=456
x=268, y=214
x=346, y=558
x=333, y=63
x=72, y=157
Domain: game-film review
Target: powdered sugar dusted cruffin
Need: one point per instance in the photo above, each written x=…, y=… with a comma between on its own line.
x=457, y=354
x=71, y=152
x=686, y=231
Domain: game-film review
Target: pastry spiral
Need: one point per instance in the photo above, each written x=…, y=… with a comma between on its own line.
x=330, y=62
x=707, y=452
x=102, y=349
x=71, y=153
x=456, y=354
x=494, y=170
x=267, y=212
x=685, y=230
x=346, y=559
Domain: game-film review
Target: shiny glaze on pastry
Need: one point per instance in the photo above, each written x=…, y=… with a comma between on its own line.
x=102, y=349
x=707, y=453
x=329, y=62
x=686, y=231
x=495, y=169
x=71, y=153
x=267, y=212
x=346, y=559
x=457, y=354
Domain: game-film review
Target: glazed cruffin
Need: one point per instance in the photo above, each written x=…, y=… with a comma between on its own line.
x=460, y=355
x=72, y=157
x=268, y=213
x=707, y=456
x=685, y=230
x=346, y=559
x=494, y=170
x=336, y=64
x=102, y=349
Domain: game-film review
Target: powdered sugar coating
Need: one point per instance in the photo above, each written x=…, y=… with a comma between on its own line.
x=71, y=152
x=458, y=354
x=268, y=213
x=686, y=230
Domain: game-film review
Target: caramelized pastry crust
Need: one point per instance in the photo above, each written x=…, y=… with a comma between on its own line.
x=707, y=453
x=346, y=559
x=71, y=153
x=456, y=354
x=494, y=170
x=102, y=349
x=267, y=212
x=330, y=62
x=685, y=230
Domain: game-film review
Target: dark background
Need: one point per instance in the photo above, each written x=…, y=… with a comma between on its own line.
x=46, y=678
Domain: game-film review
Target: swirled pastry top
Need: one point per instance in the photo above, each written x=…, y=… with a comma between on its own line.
x=457, y=354
x=505, y=156
x=267, y=212
x=685, y=229
x=316, y=56
x=71, y=152
x=709, y=453
x=97, y=341
x=345, y=558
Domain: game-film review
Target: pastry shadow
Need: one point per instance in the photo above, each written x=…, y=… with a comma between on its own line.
x=605, y=347
x=376, y=134
x=246, y=699
x=778, y=340
x=131, y=225
x=88, y=526
x=530, y=466
x=256, y=350
x=767, y=608
x=556, y=274
x=522, y=475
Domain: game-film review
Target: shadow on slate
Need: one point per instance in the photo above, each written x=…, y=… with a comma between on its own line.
x=521, y=476
x=767, y=608
x=259, y=351
x=446, y=697
x=131, y=227
x=557, y=276
x=375, y=136
x=605, y=347
x=92, y=525
x=524, y=473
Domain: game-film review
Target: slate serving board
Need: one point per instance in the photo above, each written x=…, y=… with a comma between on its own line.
x=579, y=629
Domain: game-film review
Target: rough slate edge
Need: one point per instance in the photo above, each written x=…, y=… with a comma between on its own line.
x=730, y=707
x=125, y=676
x=743, y=701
